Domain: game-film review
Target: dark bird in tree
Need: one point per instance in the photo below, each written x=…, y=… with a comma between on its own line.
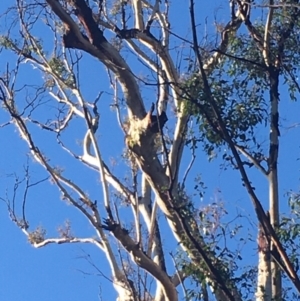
x=156, y=122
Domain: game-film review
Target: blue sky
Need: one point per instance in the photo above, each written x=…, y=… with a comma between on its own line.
x=63, y=272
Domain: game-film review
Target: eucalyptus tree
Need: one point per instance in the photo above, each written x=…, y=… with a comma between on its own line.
x=217, y=94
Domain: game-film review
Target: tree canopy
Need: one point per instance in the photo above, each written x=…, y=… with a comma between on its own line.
x=130, y=114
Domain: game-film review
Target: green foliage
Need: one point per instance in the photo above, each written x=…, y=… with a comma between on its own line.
x=217, y=233
x=241, y=104
x=29, y=47
x=240, y=86
x=58, y=67
x=289, y=229
x=7, y=43
x=288, y=232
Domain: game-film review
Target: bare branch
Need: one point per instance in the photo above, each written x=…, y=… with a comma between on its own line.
x=254, y=161
x=104, y=52
x=143, y=260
